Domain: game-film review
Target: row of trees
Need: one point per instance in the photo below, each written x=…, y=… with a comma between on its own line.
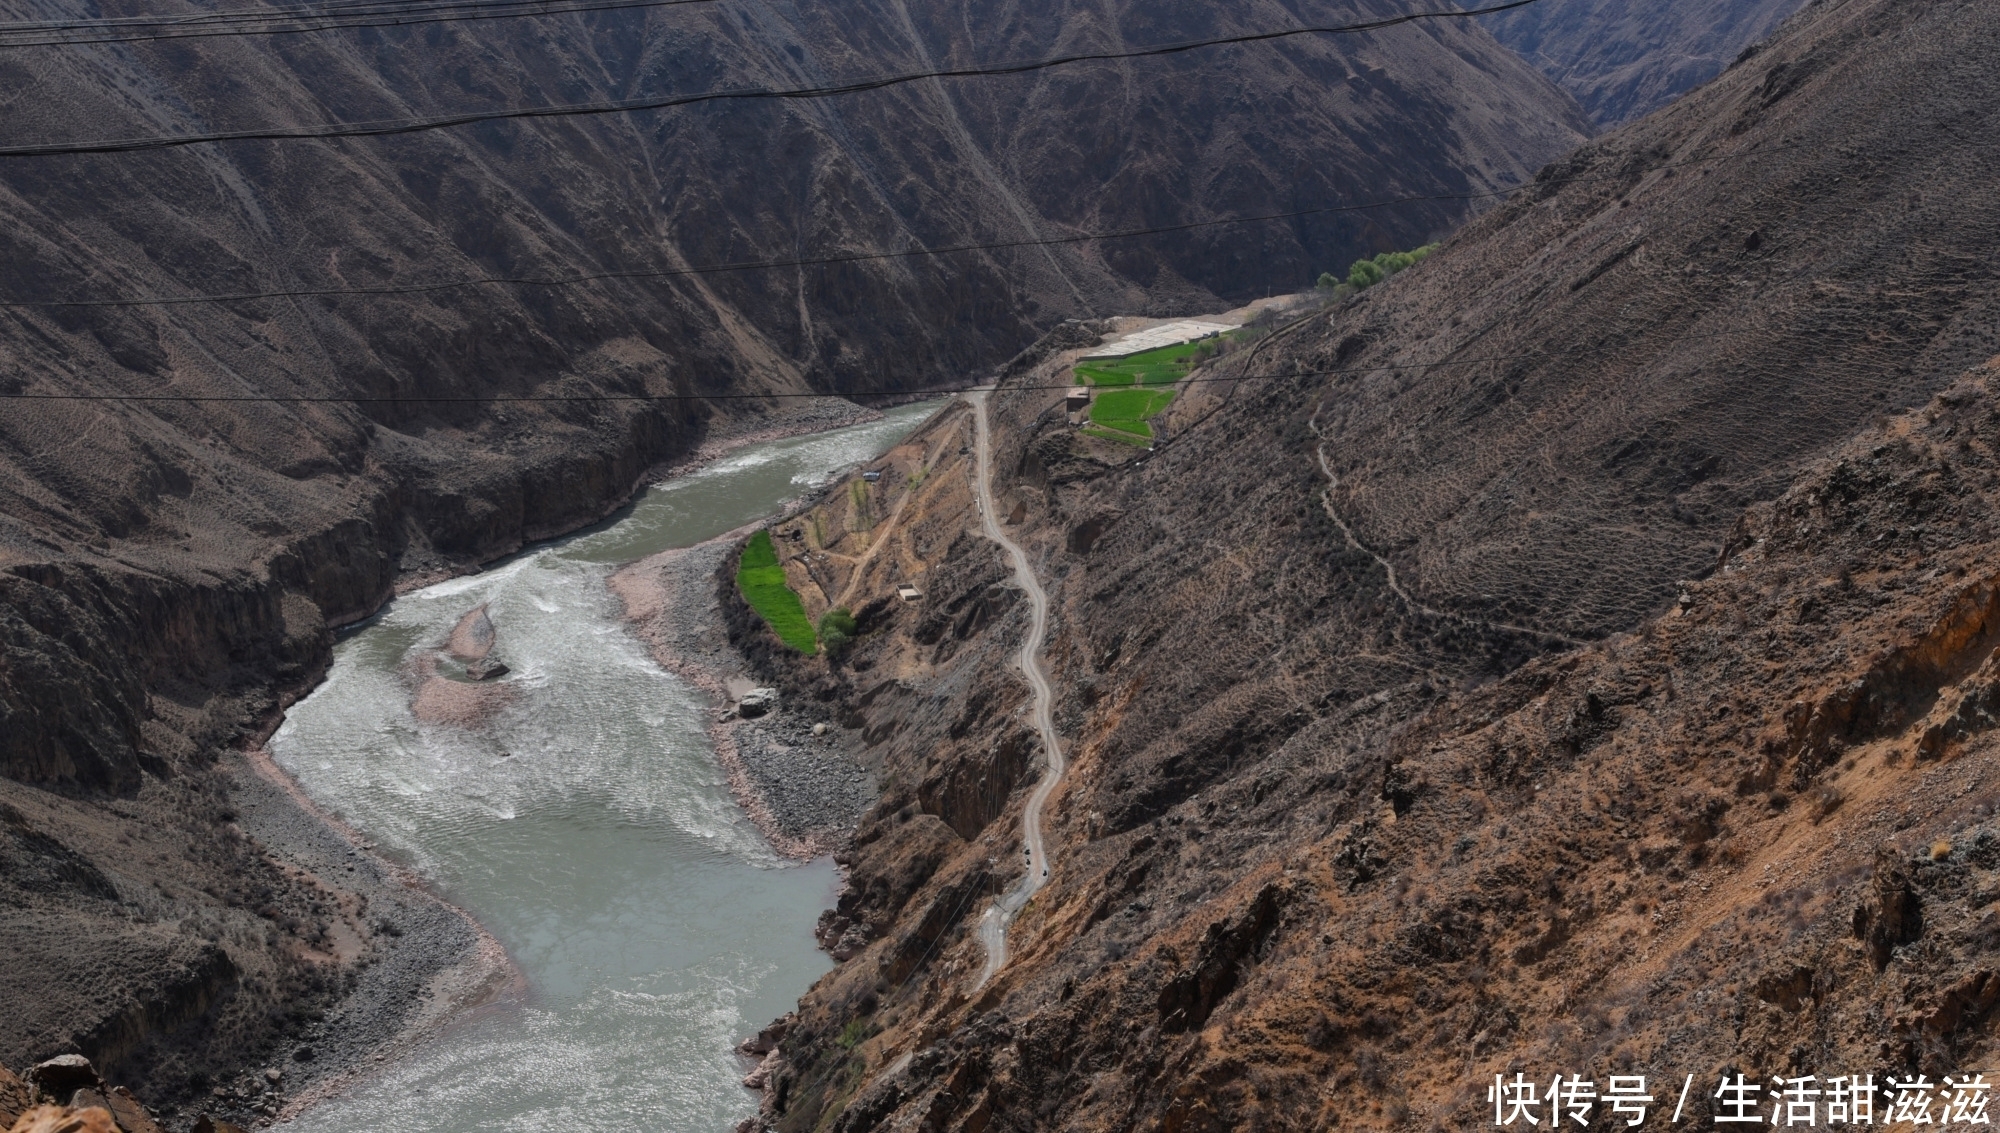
x=1367, y=273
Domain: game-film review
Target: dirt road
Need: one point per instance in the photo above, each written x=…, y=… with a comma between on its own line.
x=993, y=926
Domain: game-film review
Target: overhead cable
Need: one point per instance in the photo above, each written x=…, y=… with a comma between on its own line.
x=917, y=392
x=281, y=21
x=400, y=126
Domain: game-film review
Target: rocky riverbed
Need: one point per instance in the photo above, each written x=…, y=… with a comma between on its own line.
x=414, y=960
x=798, y=777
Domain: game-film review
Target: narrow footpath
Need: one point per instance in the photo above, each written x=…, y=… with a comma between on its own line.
x=993, y=926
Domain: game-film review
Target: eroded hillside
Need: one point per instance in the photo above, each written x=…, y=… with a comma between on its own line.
x=1438, y=664
x=1757, y=832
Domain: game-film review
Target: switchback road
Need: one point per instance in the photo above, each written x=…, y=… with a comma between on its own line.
x=993, y=926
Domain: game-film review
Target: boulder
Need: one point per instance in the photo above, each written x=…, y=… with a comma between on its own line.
x=766, y=1040
x=472, y=638
x=64, y=1075
x=129, y=1114
x=757, y=702
x=760, y=1077
x=486, y=670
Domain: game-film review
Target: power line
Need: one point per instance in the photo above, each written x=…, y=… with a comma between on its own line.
x=393, y=127
x=851, y=258
x=374, y=14
x=930, y=391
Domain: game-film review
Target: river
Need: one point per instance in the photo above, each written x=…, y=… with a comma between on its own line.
x=586, y=825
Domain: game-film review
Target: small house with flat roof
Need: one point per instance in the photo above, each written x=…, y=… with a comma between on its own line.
x=1077, y=403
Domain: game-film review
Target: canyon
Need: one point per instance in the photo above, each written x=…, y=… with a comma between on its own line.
x=1623, y=61
x=173, y=570
x=1610, y=585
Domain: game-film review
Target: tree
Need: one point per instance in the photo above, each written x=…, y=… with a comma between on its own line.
x=837, y=629
x=1369, y=272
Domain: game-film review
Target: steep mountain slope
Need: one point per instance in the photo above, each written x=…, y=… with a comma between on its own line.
x=1303, y=869
x=1623, y=61
x=148, y=483
x=172, y=568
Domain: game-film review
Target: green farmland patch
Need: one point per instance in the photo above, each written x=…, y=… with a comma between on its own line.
x=1127, y=410
x=1130, y=396
x=761, y=578
x=1161, y=367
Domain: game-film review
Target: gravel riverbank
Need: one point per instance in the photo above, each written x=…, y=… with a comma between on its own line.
x=416, y=961
x=803, y=791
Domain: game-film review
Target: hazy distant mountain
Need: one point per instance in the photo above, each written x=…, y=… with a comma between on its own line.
x=1623, y=59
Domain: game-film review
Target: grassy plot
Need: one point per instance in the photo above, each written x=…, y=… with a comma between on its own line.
x=1161, y=367
x=1121, y=411
x=1127, y=410
x=761, y=578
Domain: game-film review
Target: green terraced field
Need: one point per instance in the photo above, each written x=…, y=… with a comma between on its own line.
x=1127, y=410
x=1164, y=366
x=1122, y=410
x=762, y=580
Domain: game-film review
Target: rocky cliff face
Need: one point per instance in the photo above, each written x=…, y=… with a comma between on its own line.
x=1461, y=689
x=1624, y=61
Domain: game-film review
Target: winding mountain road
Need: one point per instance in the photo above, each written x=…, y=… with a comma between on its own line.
x=993, y=926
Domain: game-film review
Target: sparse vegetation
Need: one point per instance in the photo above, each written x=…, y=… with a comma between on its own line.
x=853, y=1034
x=1364, y=274
x=761, y=579
x=1114, y=435
x=864, y=510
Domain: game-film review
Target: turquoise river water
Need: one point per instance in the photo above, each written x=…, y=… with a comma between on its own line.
x=586, y=825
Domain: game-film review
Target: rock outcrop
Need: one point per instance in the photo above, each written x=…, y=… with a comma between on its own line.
x=473, y=637
x=65, y=1095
